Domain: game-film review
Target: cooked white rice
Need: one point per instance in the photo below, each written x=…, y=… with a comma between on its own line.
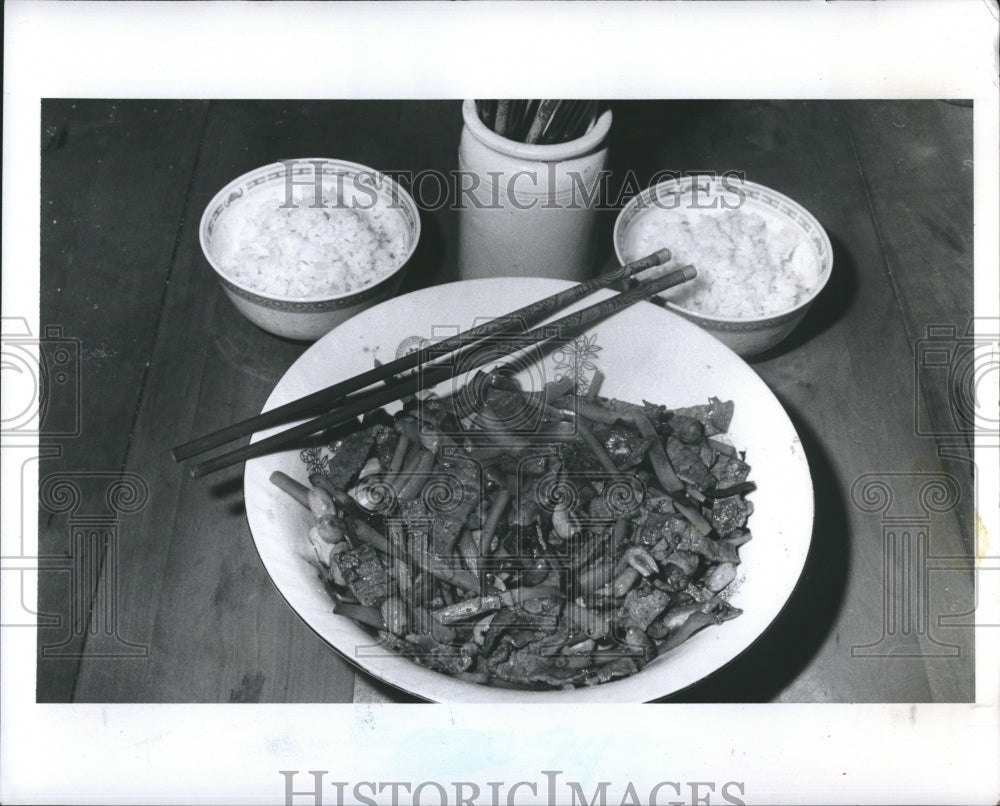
x=748, y=266
x=305, y=251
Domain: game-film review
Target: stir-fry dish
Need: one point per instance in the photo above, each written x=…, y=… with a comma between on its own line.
x=530, y=540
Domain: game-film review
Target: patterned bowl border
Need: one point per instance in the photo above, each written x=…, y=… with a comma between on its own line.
x=389, y=191
x=735, y=325
x=318, y=306
x=670, y=195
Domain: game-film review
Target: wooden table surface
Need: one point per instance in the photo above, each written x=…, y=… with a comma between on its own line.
x=152, y=590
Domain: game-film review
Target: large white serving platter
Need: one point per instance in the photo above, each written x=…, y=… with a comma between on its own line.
x=646, y=353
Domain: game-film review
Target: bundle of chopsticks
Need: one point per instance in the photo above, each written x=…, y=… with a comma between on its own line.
x=514, y=332
x=539, y=121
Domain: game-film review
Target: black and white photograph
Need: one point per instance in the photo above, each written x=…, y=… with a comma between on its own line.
x=387, y=437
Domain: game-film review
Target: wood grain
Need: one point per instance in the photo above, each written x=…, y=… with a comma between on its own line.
x=114, y=184
x=916, y=160
x=845, y=376
x=889, y=183
x=197, y=593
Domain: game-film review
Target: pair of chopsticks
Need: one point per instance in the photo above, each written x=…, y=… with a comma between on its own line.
x=345, y=401
x=543, y=121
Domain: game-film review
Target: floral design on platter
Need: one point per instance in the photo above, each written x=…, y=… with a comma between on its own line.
x=577, y=360
x=411, y=344
x=316, y=460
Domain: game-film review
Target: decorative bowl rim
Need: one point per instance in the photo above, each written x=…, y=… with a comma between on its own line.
x=737, y=323
x=369, y=292
x=255, y=294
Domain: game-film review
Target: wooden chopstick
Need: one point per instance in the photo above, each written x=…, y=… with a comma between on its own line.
x=556, y=130
x=540, y=120
x=502, y=114
x=578, y=125
x=434, y=374
x=325, y=399
x=527, y=116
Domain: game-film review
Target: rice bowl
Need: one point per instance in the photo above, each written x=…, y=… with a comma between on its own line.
x=761, y=257
x=301, y=245
x=748, y=265
x=299, y=250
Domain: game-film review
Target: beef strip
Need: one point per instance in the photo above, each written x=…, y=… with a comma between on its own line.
x=366, y=576
x=347, y=457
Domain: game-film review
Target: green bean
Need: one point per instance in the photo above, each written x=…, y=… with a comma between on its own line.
x=657, y=455
x=596, y=380
x=592, y=411
x=398, y=455
x=410, y=482
x=434, y=566
x=289, y=485
x=497, y=507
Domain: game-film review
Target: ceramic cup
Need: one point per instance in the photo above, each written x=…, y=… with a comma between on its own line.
x=528, y=210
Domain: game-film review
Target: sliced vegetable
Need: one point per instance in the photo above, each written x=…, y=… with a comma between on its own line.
x=512, y=560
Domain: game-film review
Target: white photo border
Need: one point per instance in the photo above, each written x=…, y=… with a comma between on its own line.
x=794, y=754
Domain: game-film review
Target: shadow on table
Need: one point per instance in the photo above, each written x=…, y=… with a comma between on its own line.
x=427, y=264
x=228, y=492
x=829, y=305
x=787, y=647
